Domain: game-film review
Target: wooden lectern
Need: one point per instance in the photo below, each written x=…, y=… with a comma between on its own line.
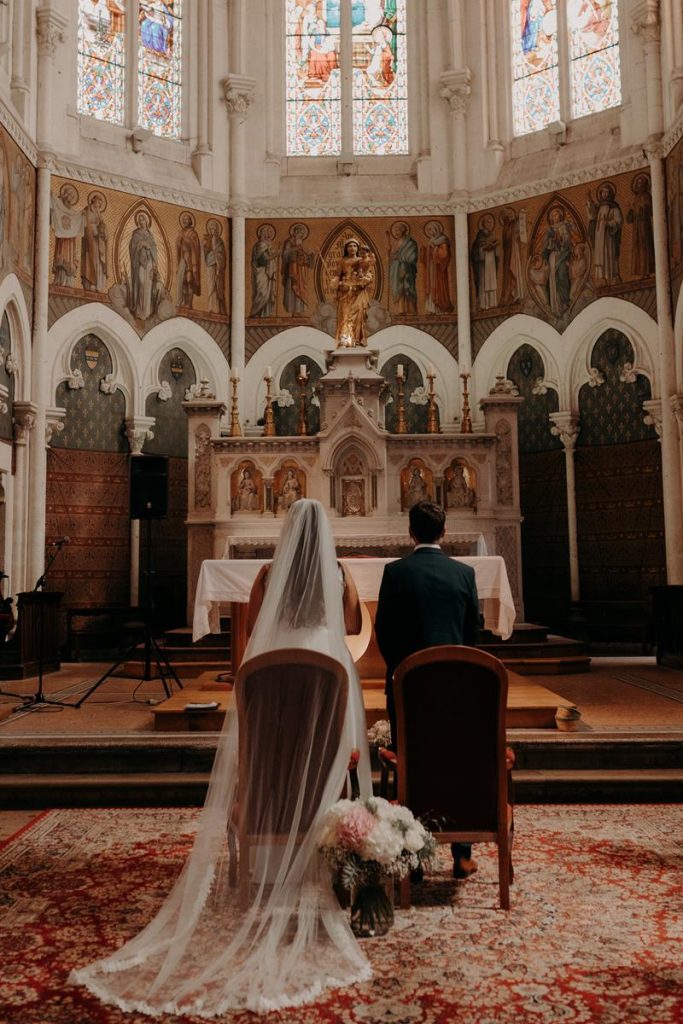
x=19, y=654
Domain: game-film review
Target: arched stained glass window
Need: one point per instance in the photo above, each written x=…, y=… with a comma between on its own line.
x=101, y=58
x=346, y=55
x=159, y=66
x=594, y=55
x=535, y=71
x=117, y=35
x=565, y=60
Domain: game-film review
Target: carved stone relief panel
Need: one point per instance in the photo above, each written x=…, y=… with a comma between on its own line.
x=202, y=467
x=504, y=492
x=289, y=484
x=417, y=484
x=460, y=485
x=506, y=547
x=246, y=488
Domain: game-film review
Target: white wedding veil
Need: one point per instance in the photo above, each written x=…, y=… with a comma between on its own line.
x=286, y=939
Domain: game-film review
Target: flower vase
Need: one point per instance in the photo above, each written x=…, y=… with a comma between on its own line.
x=372, y=910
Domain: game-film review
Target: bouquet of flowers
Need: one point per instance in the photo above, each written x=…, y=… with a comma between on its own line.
x=379, y=734
x=368, y=842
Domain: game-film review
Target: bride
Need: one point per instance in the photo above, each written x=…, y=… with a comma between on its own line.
x=204, y=953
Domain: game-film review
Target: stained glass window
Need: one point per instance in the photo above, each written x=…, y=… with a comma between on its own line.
x=535, y=85
x=594, y=53
x=101, y=44
x=325, y=66
x=582, y=35
x=159, y=66
x=380, y=94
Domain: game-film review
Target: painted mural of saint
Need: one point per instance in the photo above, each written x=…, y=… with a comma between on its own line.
x=556, y=252
x=216, y=259
x=604, y=230
x=296, y=262
x=94, y=244
x=264, y=257
x=640, y=216
x=403, y=255
x=67, y=224
x=513, y=287
x=484, y=259
x=145, y=287
x=188, y=253
x=436, y=258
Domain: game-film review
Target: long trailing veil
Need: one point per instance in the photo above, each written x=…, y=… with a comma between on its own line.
x=204, y=953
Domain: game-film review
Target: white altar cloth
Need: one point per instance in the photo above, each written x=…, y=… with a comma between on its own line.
x=232, y=579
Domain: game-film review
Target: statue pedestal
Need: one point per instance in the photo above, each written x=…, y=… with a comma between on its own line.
x=351, y=372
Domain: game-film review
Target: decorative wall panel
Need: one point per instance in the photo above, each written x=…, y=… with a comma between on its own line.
x=176, y=376
x=150, y=260
x=95, y=409
x=17, y=212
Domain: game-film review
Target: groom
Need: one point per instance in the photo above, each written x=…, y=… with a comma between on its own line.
x=426, y=599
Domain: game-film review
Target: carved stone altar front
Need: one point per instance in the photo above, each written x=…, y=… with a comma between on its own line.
x=241, y=487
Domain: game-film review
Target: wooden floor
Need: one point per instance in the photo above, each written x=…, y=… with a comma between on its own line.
x=530, y=706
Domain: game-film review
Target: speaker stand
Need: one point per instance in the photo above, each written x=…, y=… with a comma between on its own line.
x=152, y=650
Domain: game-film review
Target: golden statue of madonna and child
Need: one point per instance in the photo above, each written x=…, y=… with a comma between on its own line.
x=355, y=288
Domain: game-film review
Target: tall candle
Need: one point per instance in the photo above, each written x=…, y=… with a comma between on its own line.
x=302, y=370
x=430, y=370
x=269, y=371
x=399, y=370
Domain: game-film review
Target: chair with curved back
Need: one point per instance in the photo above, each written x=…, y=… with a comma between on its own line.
x=452, y=770
x=280, y=696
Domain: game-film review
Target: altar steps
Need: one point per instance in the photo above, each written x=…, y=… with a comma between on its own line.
x=531, y=650
x=166, y=771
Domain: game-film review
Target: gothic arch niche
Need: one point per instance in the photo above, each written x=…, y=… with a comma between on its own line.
x=176, y=378
x=287, y=403
x=460, y=485
x=353, y=483
x=289, y=484
x=417, y=483
x=331, y=253
x=246, y=488
x=415, y=396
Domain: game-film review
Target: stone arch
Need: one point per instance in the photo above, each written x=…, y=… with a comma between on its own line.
x=13, y=303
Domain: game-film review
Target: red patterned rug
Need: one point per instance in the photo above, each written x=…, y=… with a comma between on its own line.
x=595, y=933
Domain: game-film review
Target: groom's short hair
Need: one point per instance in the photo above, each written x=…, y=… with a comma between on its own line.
x=427, y=522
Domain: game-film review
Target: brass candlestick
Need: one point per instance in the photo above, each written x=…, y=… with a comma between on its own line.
x=465, y=420
x=235, y=428
x=301, y=379
x=432, y=424
x=400, y=413
x=269, y=419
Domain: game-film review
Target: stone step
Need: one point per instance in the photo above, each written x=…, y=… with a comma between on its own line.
x=166, y=753
x=185, y=655
x=178, y=789
x=523, y=632
x=182, y=637
x=547, y=666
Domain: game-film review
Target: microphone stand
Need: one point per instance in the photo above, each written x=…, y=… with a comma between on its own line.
x=8, y=693
x=39, y=700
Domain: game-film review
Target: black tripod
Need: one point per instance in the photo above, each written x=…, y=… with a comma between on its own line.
x=39, y=700
x=152, y=651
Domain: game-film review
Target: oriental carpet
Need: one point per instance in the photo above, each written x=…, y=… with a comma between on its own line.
x=595, y=933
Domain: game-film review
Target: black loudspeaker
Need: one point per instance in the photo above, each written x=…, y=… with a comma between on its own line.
x=149, y=487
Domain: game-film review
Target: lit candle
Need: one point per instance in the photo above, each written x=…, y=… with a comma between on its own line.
x=269, y=371
x=430, y=370
x=399, y=371
x=302, y=370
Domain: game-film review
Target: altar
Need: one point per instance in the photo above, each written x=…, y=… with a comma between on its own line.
x=367, y=479
x=223, y=580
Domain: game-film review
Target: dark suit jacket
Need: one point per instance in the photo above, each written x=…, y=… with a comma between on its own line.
x=425, y=599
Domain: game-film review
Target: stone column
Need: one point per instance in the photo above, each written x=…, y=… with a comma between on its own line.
x=201, y=158
x=647, y=24
x=21, y=56
x=25, y=420
x=239, y=93
x=565, y=425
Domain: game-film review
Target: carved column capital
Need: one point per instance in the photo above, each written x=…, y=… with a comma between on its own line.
x=455, y=88
x=238, y=93
x=50, y=25
x=646, y=21
x=567, y=427
x=139, y=430
x=653, y=414
x=54, y=423
x=677, y=409
x=23, y=420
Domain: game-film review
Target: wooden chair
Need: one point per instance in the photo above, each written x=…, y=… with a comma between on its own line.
x=280, y=696
x=451, y=764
